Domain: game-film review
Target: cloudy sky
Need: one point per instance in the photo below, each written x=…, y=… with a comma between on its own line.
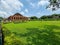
x=25, y=7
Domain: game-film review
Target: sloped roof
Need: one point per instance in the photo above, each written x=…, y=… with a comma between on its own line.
x=18, y=14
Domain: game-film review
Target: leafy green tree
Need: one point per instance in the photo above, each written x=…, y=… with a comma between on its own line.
x=43, y=17
x=1, y=18
x=55, y=14
x=54, y=3
x=34, y=18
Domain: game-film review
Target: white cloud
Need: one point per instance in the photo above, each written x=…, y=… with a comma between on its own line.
x=22, y=13
x=32, y=4
x=10, y=6
x=3, y=14
x=51, y=7
x=14, y=3
x=4, y=5
x=26, y=10
x=56, y=11
x=43, y=2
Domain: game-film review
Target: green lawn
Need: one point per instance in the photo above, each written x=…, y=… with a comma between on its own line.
x=32, y=33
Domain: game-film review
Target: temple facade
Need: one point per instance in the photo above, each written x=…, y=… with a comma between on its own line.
x=17, y=17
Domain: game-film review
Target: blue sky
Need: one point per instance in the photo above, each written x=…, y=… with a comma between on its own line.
x=25, y=7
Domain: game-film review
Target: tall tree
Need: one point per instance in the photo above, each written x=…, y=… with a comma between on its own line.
x=1, y=18
x=33, y=18
x=55, y=4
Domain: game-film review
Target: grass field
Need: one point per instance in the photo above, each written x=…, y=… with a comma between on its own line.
x=32, y=33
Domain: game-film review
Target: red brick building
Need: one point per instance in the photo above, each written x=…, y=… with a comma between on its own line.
x=17, y=17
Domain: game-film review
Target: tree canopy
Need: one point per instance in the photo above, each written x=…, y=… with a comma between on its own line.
x=55, y=4
x=33, y=18
x=1, y=18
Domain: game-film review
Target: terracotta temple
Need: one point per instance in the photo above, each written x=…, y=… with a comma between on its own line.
x=17, y=17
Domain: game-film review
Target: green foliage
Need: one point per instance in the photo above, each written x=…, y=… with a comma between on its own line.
x=10, y=38
x=55, y=4
x=32, y=33
x=34, y=18
x=51, y=17
x=43, y=17
x=1, y=18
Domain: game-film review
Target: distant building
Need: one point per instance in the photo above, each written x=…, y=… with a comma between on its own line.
x=18, y=17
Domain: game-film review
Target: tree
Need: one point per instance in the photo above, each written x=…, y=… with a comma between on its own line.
x=33, y=18
x=55, y=4
x=43, y=17
x=1, y=18
x=55, y=15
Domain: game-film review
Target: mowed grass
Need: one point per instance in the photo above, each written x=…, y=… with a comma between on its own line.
x=21, y=27
x=36, y=32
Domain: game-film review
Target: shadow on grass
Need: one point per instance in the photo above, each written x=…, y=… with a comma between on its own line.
x=45, y=36
x=42, y=37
